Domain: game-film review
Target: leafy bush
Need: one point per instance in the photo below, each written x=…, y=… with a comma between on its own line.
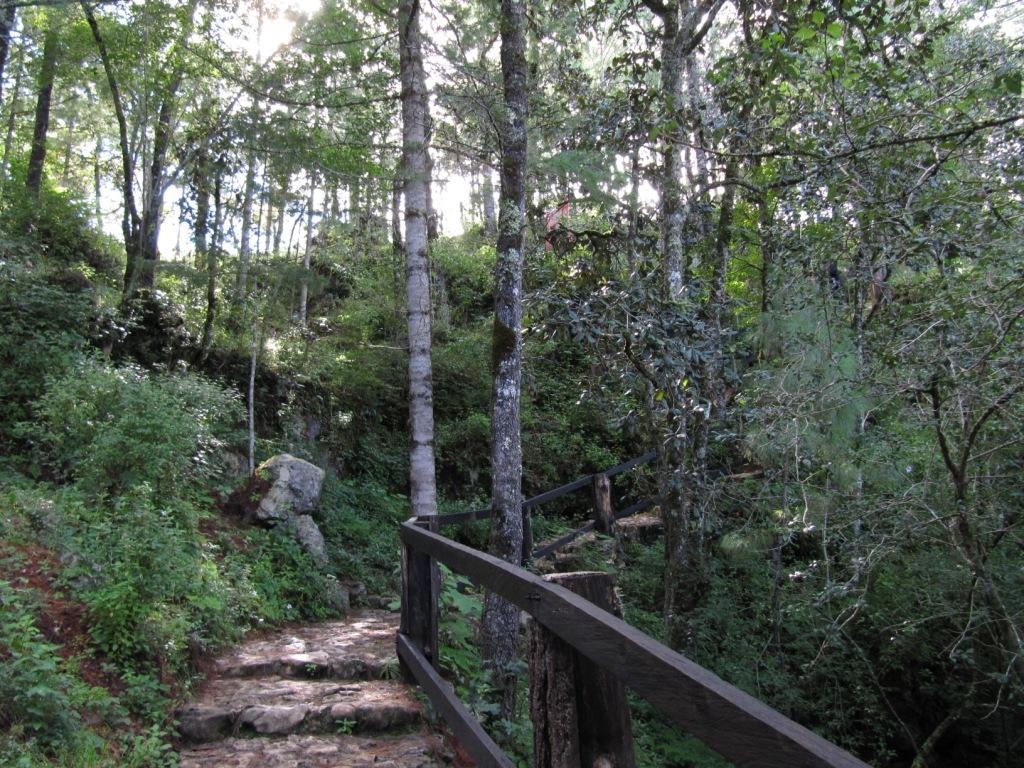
x=58, y=228
x=44, y=329
x=289, y=584
x=33, y=686
x=360, y=523
x=114, y=428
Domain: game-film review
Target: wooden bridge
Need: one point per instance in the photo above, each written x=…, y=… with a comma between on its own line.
x=736, y=725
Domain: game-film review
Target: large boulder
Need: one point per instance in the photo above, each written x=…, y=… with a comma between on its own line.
x=294, y=492
x=295, y=487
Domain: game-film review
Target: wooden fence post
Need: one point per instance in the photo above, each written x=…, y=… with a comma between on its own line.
x=421, y=582
x=580, y=712
x=604, y=515
x=527, y=535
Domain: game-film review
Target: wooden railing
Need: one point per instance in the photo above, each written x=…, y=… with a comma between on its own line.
x=733, y=723
x=599, y=484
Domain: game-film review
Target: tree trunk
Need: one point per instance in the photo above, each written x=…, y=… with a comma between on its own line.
x=47, y=70
x=243, y=245
x=202, y=225
x=153, y=200
x=131, y=223
x=433, y=222
x=766, y=236
x=684, y=26
x=304, y=290
x=671, y=188
x=12, y=111
x=69, y=145
x=416, y=168
x=279, y=226
x=634, y=206
x=7, y=21
x=254, y=353
x=397, y=251
x=697, y=110
x=203, y=249
x=268, y=227
x=580, y=712
x=500, y=623
x=487, y=191
x=97, y=184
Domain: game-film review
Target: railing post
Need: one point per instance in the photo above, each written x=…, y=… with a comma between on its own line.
x=421, y=581
x=604, y=515
x=527, y=554
x=580, y=712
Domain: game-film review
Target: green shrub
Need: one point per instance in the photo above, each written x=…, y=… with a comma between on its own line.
x=58, y=228
x=44, y=328
x=289, y=584
x=33, y=685
x=360, y=524
x=115, y=428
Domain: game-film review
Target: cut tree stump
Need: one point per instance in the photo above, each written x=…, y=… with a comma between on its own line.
x=580, y=712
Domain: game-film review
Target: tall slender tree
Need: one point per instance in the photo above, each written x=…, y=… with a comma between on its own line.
x=308, y=251
x=244, y=247
x=416, y=168
x=684, y=26
x=8, y=18
x=44, y=95
x=501, y=618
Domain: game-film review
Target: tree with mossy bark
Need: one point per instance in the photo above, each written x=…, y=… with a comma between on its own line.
x=501, y=619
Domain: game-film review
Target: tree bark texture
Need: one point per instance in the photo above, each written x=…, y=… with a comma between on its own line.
x=580, y=712
x=44, y=94
x=684, y=26
x=416, y=167
x=279, y=224
x=97, y=186
x=500, y=619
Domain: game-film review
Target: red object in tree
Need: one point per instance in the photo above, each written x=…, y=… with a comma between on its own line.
x=553, y=219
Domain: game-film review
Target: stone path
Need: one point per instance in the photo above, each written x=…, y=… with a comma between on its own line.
x=320, y=696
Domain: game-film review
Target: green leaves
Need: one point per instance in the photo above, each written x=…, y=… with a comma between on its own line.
x=1010, y=83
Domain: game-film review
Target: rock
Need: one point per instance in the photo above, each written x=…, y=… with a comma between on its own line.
x=308, y=535
x=274, y=706
x=360, y=647
x=235, y=466
x=274, y=720
x=295, y=488
x=294, y=493
x=338, y=596
x=200, y=724
x=356, y=592
x=410, y=750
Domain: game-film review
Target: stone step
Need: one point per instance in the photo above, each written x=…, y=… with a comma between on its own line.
x=413, y=750
x=277, y=706
x=358, y=648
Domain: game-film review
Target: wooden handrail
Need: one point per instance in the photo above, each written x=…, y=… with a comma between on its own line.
x=456, y=518
x=467, y=730
x=741, y=728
